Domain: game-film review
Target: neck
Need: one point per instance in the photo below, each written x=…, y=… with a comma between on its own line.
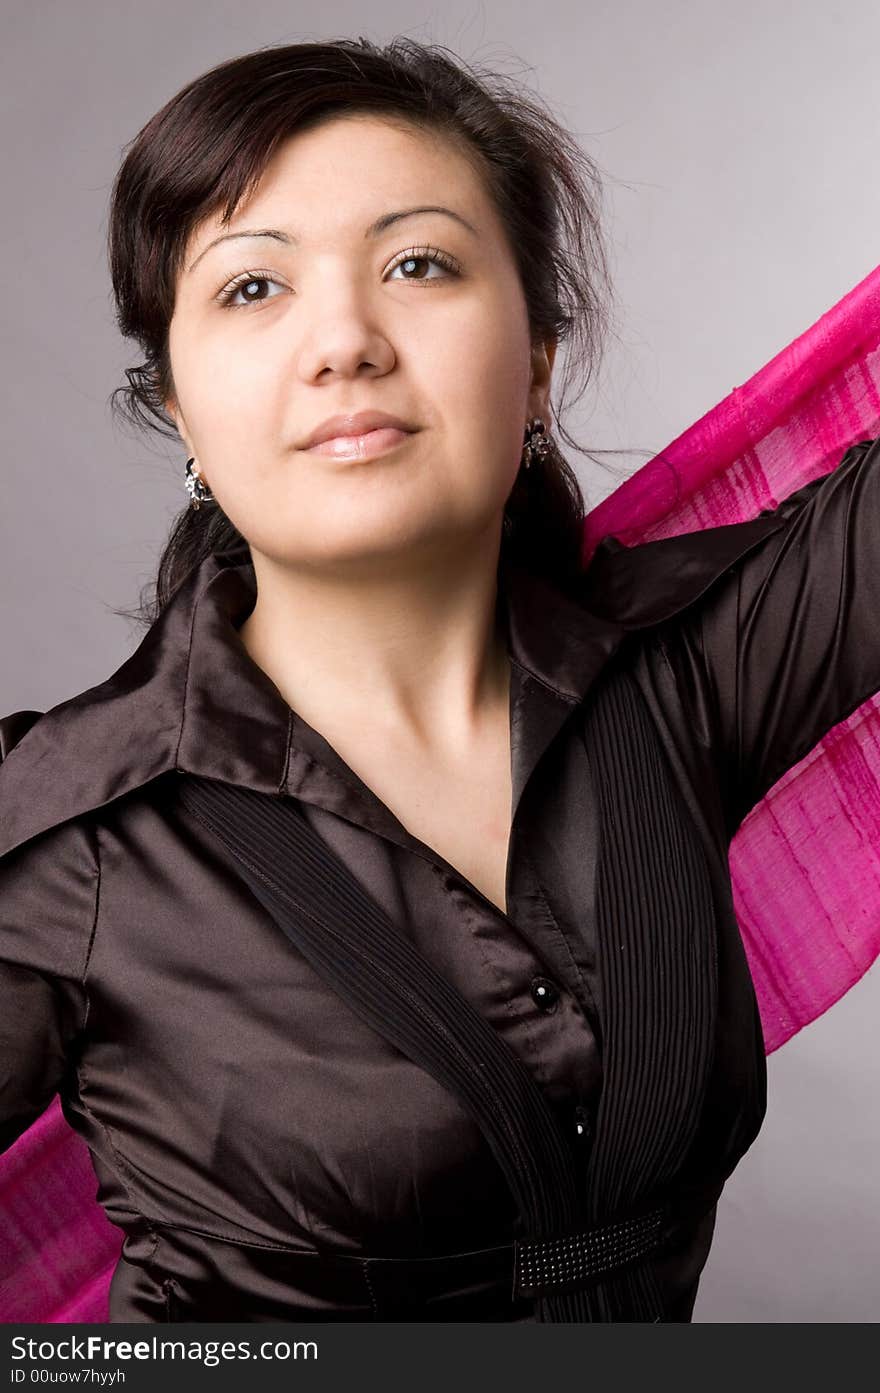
x=412, y=653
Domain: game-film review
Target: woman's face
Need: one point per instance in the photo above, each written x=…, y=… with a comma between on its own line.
x=422, y=317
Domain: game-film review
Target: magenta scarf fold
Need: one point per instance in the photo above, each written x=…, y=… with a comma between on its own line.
x=809, y=932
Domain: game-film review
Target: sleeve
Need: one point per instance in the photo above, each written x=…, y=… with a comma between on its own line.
x=787, y=643
x=48, y=903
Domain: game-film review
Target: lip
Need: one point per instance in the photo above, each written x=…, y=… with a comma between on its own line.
x=355, y=425
x=365, y=446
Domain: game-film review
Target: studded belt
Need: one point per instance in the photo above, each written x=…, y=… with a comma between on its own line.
x=464, y=1282
x=543, y=1267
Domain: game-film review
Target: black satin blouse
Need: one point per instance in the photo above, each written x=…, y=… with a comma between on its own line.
x=240, y=1117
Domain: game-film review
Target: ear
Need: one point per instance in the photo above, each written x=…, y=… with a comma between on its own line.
x=542, y=358
x=173, y=410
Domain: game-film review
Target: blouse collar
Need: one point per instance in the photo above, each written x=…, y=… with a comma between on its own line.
x=191, y=698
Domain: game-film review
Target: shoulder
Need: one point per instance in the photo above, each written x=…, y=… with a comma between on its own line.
x=647, y=584
x=13, y=727
x=89, y=749
x=109, y=740
x=48, y=886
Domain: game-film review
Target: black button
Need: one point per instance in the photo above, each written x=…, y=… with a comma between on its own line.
x=544, y=993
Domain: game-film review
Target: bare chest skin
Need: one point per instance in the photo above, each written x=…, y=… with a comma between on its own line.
x=462, y=810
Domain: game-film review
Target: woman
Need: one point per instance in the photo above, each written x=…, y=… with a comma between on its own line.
x=501, y=1062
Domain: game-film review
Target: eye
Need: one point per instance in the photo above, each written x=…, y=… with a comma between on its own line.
x=246, y=282
x=420, y=256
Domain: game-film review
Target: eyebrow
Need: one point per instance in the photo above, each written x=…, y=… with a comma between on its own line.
x=373, y=230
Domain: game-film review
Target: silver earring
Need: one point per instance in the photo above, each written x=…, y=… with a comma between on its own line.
x=536, y=442
x=199, y=493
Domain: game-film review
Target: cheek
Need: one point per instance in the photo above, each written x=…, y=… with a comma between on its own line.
x=230, y=389
x=479, y=375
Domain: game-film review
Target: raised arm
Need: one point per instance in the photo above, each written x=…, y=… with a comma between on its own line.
x=787, y=643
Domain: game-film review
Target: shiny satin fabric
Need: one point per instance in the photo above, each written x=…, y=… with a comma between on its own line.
x=210, y=1276
x=223, y=1091
x=353, y=945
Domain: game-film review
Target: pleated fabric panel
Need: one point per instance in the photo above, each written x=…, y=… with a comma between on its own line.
x=658, y=963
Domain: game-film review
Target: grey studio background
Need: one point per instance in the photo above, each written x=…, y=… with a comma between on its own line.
x=739, y=150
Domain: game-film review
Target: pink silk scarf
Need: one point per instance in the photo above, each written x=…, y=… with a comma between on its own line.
x=809, y=932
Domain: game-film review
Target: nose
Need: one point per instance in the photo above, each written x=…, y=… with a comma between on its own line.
x=343, y=336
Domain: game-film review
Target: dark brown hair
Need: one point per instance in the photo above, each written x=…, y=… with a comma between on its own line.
x=207, y=148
